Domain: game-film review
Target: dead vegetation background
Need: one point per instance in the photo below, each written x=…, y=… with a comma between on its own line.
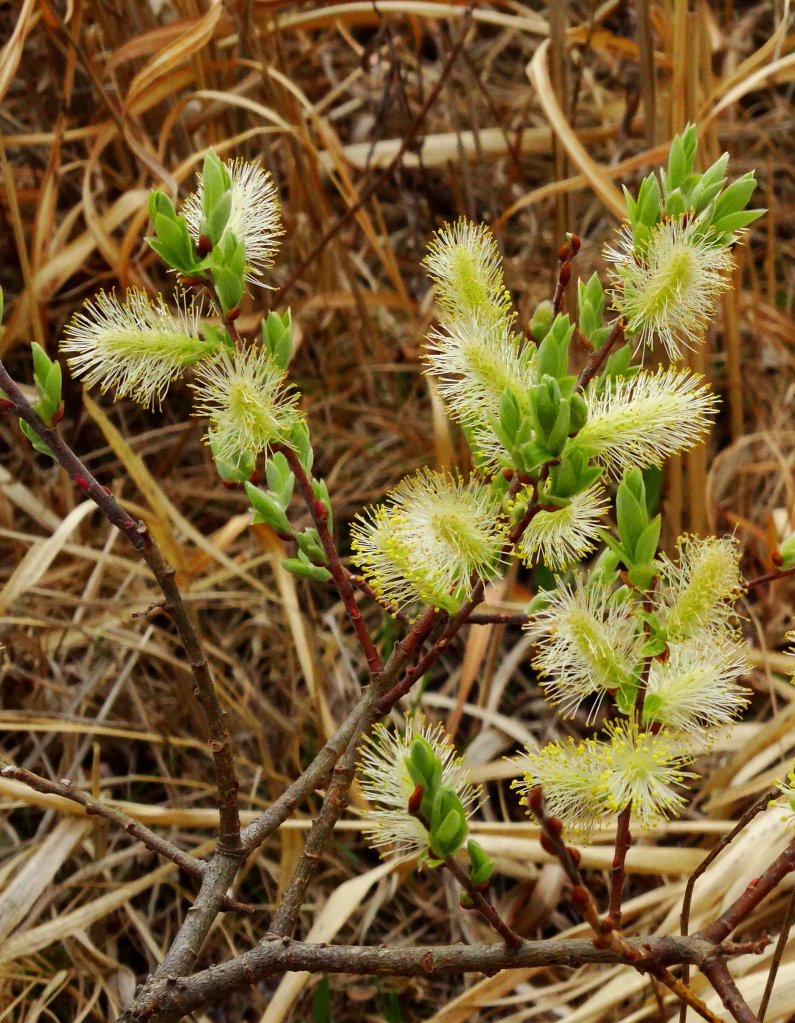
x=546, y=111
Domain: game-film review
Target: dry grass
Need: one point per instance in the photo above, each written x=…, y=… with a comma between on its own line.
x=541, y=119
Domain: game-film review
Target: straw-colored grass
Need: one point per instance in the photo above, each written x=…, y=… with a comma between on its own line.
x=547, y=111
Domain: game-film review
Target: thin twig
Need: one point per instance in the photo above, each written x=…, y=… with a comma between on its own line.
x=622, y=846
x=778, y=953
x=340, y=576
x=139, y=536
x=67, y=789
x=771, y=576
x=757, y=889
x=568, y=251
x=513, y=941
x=596, y=361
x=717, y=973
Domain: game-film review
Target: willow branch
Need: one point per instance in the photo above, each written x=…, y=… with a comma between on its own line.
x=617, y=867
x=717, y=973
x=139, y=536
x=340, y=576
x=513, y=941
x=607, y=935
x=597, y=360
x=758, y=889
x=170, y=1000
x=67, y=789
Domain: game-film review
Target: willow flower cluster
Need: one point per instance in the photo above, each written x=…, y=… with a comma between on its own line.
x=643, y=646
x=228, y=231
x=404, y=774
x=433, y=539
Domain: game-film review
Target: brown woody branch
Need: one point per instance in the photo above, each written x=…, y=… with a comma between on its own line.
x=172, y=998
x=717, y=973
x=339, y=574
x=513, y=941
x=598, y=359
x=139, y=536
x=67, y=789
x=758, y=889
x=607, y=934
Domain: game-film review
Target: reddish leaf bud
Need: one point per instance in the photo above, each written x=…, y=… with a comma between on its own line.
x=547, y=845
x=57, y=415
x=205, y=245
x=82, y=482
x=554, y=827
x=563, y=252
x=535, y=800
x=564, y=276
x=579, y=896
x=6, y=405
x=233, y=314
x=574, y=243
x=777, y=558
x=415, y=800
x=320, y=511
x=107, y=491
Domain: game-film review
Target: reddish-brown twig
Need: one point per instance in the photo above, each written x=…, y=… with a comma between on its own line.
x=339, y=574
x=566, y=255
x=617, y=867
x=513, y=941
x=758, y=889
x=597, y=360
x=715, y=851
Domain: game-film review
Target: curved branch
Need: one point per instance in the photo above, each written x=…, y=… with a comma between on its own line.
x=172, y=998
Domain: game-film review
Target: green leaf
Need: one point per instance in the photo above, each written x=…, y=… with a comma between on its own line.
x=625, y=697
x=267, y=509
x=736, y=196
x=510, y=417
x=215, y=184
x=677, y=164
x=159, y=203
x=301, y=566
x=736, y=221
x=229, y=288
x=280, y=478
x=481, y=867
x=424, y=765
x=447, y=838
x=213, y=223
x=34, y=439
x=277, y=337
x=649, y=201
x=41, y=365
x=309, y=544
x=646, y=545
x=631, y=518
